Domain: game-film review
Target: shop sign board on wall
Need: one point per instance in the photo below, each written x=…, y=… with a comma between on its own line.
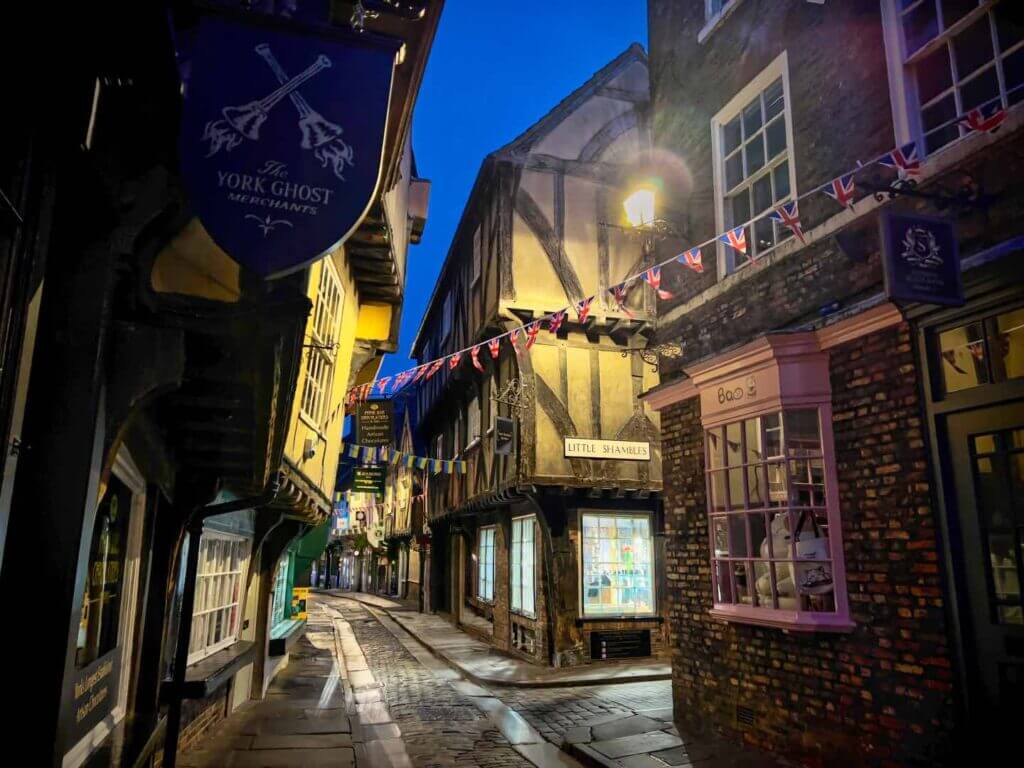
x=504, y=435
x=921, y=259
x=375, y=423
x=368, y=480
x=622, y=450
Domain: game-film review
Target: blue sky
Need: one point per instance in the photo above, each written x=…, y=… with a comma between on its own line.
x=495, y=69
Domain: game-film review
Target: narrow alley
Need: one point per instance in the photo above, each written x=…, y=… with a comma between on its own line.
x=362, y=690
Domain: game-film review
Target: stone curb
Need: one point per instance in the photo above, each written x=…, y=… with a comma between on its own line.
x=395, y=615
x=588, y=756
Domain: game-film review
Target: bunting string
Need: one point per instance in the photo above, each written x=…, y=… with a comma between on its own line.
x=905, y=160
x=385, y=455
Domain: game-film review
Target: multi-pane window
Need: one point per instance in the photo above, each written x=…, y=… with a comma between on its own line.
x=618, y=565
x=473, y=420
x=320, y=353
x=282, y=597
x=522, y=565
x=485, y=563
x=769, y=517
x=982, y=352
x=220, y=587
x=961, y=54
x=713, y=7
x=998, y=459
x=755, y=168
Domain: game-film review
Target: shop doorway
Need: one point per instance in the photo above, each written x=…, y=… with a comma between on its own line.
x=986, y=452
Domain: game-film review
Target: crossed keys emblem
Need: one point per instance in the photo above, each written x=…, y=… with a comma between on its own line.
x=241, y=122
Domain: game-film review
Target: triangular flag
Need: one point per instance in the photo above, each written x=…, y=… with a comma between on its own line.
x=453, y=361
x=493, y=347
x=735, y=238
x=435, y=367
x=984, y=119
x=904, y=159
x=619, y=292
x=583, y=308
x=653, y=278
x=382, y=383
x=531, y=333
x=789, y=215
x=842, y=190
x=420, y=371
x=692, y=259
x=514, y=340
x=474, y=355
x=556, y=320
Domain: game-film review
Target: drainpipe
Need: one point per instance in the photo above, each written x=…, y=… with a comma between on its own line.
x=195, y=530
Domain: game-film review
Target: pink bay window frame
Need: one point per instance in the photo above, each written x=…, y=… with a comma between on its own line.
x=780, y=618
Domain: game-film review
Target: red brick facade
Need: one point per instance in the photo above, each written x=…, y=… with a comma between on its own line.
x=881, y=694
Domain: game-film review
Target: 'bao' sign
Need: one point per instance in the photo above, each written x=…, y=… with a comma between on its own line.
x=921, y=259
x=282, y=137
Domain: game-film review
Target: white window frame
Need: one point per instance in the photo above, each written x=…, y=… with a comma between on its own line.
x=473, y=421
x=516, y=551
x=582, y=553
x=715, y=18
x=204, y=608
x=322, y=353
x=486, y=538
x=280, y=579
x=778, y=68
x=477, y=267
x=903, y=93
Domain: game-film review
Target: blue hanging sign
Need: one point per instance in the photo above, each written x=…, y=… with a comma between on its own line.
x=921, y=259
x=282, y=137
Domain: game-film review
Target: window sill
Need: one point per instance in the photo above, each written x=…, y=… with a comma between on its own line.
x=652, y=618
x=716, y=21
x=789, y=621
x=212, y=673
x=284, y=635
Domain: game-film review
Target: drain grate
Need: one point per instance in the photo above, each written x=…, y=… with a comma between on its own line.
x=745, y=715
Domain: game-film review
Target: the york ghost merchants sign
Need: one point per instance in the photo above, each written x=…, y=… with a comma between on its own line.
x=282, y=137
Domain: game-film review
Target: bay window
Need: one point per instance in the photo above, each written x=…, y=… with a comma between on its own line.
x=485, y=563
x=771, y=513
x=522, y=566
x=618, y=564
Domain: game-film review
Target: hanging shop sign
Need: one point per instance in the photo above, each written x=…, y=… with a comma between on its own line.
x=375, y=423
x=282, y=136
x=504, y=435
x=583, y=448
x=368, y=480
x=299, y=597
x=921, y=259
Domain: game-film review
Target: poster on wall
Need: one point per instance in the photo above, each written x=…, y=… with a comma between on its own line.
x=282, y=134
x=299, y=597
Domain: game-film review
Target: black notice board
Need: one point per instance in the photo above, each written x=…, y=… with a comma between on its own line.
x=375, y=423
x=921, y=259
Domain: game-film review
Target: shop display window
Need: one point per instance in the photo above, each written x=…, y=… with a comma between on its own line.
x=282, y=595
x=770, y=516
x=983, y=352
x=522, y=566
x=618, y=565
x=485, y=563
x=220, y=593
x=101, y=603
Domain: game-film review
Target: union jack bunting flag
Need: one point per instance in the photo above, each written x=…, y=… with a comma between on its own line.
x=904, y=159
x=474, y=355
x=735, y=238
x=841, y=190
x=513, y=338
x=453, y=361
x=556, y=320
x=419, y=373
x=653, y=278
x=984, y=119
x=531, y=333
x=583, y=309
x=494, y=346
x=400, y=380
x=692, y=259
x=619, y=292
x=435, y=367
x=789, y=215
x=382, y=383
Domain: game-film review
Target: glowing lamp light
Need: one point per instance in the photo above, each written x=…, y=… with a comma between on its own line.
x=640, y=207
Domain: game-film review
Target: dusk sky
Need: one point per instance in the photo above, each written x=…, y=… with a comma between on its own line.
x=495, y=69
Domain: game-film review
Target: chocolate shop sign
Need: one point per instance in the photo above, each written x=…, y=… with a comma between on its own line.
x=282, y=135
x=583, y=448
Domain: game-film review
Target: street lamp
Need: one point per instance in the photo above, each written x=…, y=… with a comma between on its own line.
x=644, y=223
x=640, y=207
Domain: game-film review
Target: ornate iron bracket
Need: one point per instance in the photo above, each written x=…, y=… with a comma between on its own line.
x=514, y=395
x=649, y=234
x=652, y=355
x=968, y=195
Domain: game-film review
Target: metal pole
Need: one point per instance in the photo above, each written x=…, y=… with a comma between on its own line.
x=195, y=532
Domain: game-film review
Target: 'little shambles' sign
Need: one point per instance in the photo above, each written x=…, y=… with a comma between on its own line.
x=282, y=136
x=921, y=259
x=582, y=448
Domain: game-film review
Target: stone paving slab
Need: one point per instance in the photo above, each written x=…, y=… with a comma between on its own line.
x=627, y=726
x=301, y=741
x=287, y=758
x=636, y=744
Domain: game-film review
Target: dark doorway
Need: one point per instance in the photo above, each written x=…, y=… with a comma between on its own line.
x=986, y=451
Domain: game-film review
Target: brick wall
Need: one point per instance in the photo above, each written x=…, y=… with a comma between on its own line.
x=880, y=695
x=198, y=717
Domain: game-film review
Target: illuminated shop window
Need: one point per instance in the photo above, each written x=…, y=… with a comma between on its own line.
x=522, y=565
x=618, y=565
x=770, y=516
x=982, y=352
x=220, y=588
x=485, y=563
